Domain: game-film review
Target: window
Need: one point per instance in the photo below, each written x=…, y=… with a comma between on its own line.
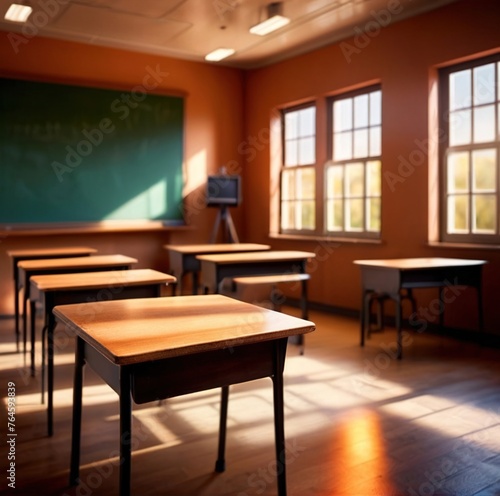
x=330, y=184
x=298, y=175
x=470, y=116
x=353, y=175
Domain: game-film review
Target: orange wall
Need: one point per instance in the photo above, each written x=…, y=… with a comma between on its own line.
x=213, y=131
x=403, y=57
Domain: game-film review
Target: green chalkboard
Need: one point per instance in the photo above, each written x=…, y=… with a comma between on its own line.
x=71, y=154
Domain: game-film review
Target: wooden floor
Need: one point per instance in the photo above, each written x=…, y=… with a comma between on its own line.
x=358, y=423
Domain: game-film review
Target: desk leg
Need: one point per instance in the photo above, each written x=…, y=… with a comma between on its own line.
x=74, y=474
x=51, y=324
x=32, y=326
x=196, y=282
x=304, y=312
x=279, y=423
x=180, y=283
x=25, y=311
x=44, y=334
x=220, y=464
x=365, y=314
x=125, y=432
x=45, y=330
x=303, y=302
x=16, y=309
x=397, y=300
x=177, y=286
x=174, y=286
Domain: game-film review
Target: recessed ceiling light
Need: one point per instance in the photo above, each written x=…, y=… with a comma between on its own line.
x=219, y=54
x=275, y=20
x=18, y=13
x=269, y=25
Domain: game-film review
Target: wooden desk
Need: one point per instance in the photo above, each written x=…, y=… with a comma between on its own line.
x=88, y=287
x=390, y=276
x=216, y=267
x=36, y=254
x=183, y=257
x=204, y=342
x=28, y=268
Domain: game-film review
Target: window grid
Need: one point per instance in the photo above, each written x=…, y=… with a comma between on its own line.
x=353, y=177
x=470, y=108
x=298, y=175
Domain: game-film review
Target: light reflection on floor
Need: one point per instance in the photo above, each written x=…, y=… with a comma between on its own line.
x=360, y=443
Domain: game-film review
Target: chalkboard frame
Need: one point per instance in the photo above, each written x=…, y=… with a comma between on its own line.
x=118, y=103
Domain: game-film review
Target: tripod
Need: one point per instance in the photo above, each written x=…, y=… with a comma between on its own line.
x=230, y=234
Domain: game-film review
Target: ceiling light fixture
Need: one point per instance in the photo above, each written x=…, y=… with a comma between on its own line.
x=275, y=20
x=18, y=13
x=219, y=54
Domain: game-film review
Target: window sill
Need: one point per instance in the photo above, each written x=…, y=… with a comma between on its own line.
x=328, y=239
x=462, y=246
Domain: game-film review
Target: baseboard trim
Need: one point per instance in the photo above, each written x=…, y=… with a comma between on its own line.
x=467, y=335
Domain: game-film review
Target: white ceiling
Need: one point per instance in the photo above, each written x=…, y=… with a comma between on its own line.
x=189, y=29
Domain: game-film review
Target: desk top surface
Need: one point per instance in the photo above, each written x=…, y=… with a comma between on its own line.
x=252, y=257
x=216, y=248
x=91, y=280
x=42, y=252
x=419, y=263
x=76, y=262
x=146, y=329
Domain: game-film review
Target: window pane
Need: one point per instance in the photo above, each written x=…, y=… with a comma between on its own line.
x=354, y=214
x=361, y=111
x=485, y=220
x=334, y=182
x=342, y=146
x=458, y=214
x=354, y=179
x=460, y=128
x=373, y=178
x=291, y=125
x=299, y=142
x=458, y=172
x=484, y=84
x=498, y=85
x=497, y=137
x=288, y=185
x=306, y=151
x=373, y=214
x=375, y=108
x=295, y=216
x=306, y=182
x=307, y=215
x=460, y=90
x=375, y=141
x=307, y=124
x=484, y=170
x=342, y=115
x=334, y=215
x=291, y=155
x=484, y=124
x=298, y=198
x=361, y=143
x=287, y=215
